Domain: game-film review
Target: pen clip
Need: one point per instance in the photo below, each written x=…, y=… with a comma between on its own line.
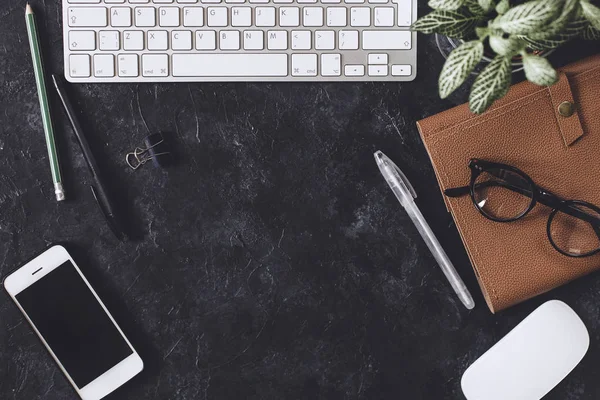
x=404, y=179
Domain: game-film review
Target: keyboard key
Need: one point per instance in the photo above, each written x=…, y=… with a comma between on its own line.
x=306, y=1
x=193, y=16
x=360, y=16
x=301, y=40
x=241, y=16
x=386, y=40
x=128, y=65
x=168, y=16
x=217, y=16
x=155, y=65
x=79, y=65
x=110, y=40
x=378, y=70
x=206, y=40
x=162, y=1
x=120, y=17
x=181, y=40
x=104, y=65
x=158, y=40
x=145, y=17
x=304, y=65
x=253, y=40
x=378, y=1
x=277, y=40
x=230, y=65
x=187, y=1
x=235, y=1
x=348, y=40
x=211, y=1
x=289, y=16
x=265, y=16
x=88, y=17
x=312, y=16
x=384, y=16
x=324, y=40
x=378, y=58
x=404, y=9
x=229, y=40
x=336, y=16
x=331, y=1
x=331, y=64
x=401, y=70
x=133, y=40
x=354, y=70
x=82, y=40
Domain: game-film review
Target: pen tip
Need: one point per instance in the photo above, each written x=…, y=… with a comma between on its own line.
x=28, y=9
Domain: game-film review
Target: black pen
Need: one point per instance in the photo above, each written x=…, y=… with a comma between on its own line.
x=98, y=188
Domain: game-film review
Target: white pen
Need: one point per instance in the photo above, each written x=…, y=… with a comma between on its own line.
x=406, y=195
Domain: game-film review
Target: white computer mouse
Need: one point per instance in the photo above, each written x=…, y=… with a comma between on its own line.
x=531, y=359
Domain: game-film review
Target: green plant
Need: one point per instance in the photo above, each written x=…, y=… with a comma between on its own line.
x=521, y=30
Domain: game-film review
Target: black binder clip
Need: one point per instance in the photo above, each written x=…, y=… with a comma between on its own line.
x=156, y=150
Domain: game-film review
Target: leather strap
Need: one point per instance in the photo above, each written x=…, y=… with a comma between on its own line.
x=569, y=125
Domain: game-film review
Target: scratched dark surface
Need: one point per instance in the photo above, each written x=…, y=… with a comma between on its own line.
x=272, y=261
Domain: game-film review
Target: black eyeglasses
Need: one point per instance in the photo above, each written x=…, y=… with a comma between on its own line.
x=504, y=193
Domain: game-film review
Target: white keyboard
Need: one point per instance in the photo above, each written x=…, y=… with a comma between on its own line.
x=239, y=40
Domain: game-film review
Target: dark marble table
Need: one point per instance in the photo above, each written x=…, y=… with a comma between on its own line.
x=272, y=262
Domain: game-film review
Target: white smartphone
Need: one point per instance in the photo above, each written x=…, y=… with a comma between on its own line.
x=73, y=324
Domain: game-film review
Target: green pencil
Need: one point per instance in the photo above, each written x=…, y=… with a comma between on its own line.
x=38, y=69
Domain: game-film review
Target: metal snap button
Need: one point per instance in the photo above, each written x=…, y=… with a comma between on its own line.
x=566, y=109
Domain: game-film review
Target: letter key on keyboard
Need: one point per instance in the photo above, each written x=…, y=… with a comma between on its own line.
x=239, y=40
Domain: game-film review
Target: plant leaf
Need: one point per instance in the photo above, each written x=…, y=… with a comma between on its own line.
x=569, y=13
x=482, y=32
x=506, y=47
x=459, y=65
x=456, y=24
x=592, y=13
x=591, y=33
x=491, y=84
x=503, y=7
x=487, y=5
x=550, y=40
x=446, y=5
x=474, y=7
x=528, y=17
x=538, y=70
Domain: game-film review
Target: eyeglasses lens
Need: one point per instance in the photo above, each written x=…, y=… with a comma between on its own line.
x=574, y=235
x=502, y=194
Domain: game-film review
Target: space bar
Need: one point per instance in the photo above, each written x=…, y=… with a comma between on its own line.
x=215, y=65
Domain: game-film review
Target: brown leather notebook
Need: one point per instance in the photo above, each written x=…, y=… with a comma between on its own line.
x=515, y=261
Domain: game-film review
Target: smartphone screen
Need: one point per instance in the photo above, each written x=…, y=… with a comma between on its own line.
x=74, y=324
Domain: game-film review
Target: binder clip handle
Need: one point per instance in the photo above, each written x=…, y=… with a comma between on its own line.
x=156, y=150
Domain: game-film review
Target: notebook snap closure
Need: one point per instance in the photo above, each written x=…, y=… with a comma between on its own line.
x=566, y=109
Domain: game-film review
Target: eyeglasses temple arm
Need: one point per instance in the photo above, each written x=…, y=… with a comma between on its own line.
x=457, y=191
x=465, y=190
